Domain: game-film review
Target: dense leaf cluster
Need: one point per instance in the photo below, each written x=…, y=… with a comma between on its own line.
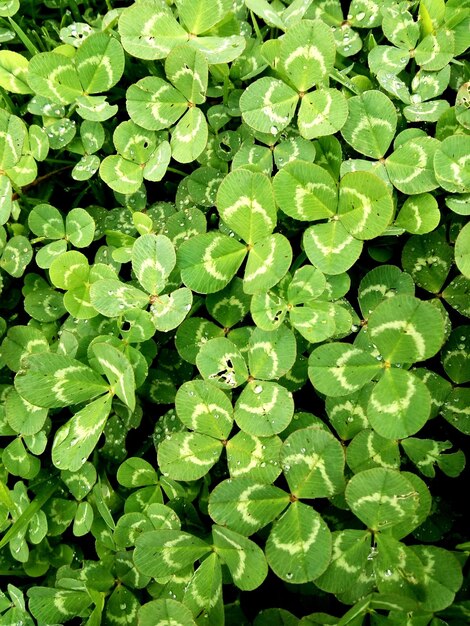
x=234, y=278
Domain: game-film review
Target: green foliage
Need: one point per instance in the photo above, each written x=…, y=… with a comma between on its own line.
x=234, y=280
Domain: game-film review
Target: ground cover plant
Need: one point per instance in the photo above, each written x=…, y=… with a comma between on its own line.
x=235, y=290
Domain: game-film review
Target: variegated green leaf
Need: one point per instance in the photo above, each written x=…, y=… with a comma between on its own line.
x=203, y=593
x=381, y=497
x=229, y=306
x=314, y=321
x=54, y=76
x=455, y=355
x=410, y=166
x=254, y=457
x=339, y=369
x=75, y=440
x=246, y=204
x=349, y=566
x=220, y=361
x=188, y=456
x=189, y=137
x=157, y=164
x=435, y=50
x=330, y=247
x=312, y=461
x=187, y=69
x=452, y=164
x=268, y=105
x=161, y=553
x=208, y=262
x=99, y=62
x=16, y=256
x=14, y=72
x=371, y=123
x=204, y=408
x=399, y=405
x=118, y=370
x=57, y=605
x=428, y=259
x=244, y=505
x=200, y=15
x=219, y=49
x=165, y=611
x=12, y=138
x=419, y=214
x=154, y=104
x=400, y=28
x=381, y=283
x=298, y=548
x=322, y=112
x=443, y=576
x=6, y=204
x=456, y=409
x=53, y=380
x=383, y=58
x=244, y=558
x=307, y=54
x=305, y=191
x=271, y=354
x=264, y=409
x=153, y=258
x=406, y=329
x=263, y=9
x=111, y=297
x=149, y=30
x=368, y=450
x=268, y=261
x=120, y=174
x=365, y=206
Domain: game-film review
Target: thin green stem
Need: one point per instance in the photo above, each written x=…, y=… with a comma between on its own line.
x=75, y=11
x=255, y=26
x=7, y=100
x=24, y=37
x=24, y=519
x=177, y=171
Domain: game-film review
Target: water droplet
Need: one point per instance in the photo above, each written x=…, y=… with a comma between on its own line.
x=388, y=573
x=123, y=606
x=274, y=130
x=258, y=389
x=372, y=554
x=360, y=16
x=289, y=575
